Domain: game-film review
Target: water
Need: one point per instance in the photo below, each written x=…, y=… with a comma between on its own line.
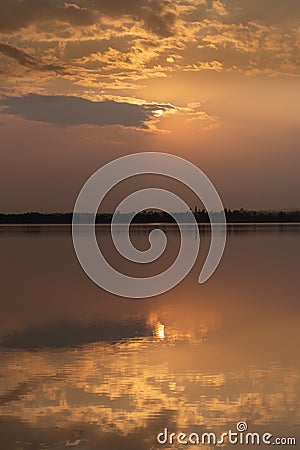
x=85, y=369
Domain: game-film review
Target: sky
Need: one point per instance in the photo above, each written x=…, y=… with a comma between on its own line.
x=213, y=81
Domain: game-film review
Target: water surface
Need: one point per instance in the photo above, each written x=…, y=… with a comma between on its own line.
x=85, y=369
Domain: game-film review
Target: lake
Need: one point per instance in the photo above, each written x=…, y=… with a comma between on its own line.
x=82, y=368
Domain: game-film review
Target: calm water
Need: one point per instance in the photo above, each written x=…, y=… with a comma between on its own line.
x=81, y=368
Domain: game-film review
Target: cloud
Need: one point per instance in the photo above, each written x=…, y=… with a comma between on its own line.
x=270, y=12
x=68, y=111
x=219, y=7
x=15, y=394
x=60, y=335
x=158, y=16
x=257, y=48
x=27, y=60
x=204, y=65
x=107, y=435
x=104, y=47
x=15, y=14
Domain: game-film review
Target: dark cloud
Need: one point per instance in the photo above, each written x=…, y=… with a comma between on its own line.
x=55, y=436
x=15, y=394
x=27, y=60
x=66, y=111
x=62, y=335
x=16, y=14
x=156, y=15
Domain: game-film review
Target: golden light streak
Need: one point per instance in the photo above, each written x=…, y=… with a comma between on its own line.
x=160, y=331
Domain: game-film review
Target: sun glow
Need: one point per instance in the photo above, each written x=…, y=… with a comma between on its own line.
x=158, y=113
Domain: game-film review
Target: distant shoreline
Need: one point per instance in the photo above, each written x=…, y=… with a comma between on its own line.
x=155, y=217
x=230, y=225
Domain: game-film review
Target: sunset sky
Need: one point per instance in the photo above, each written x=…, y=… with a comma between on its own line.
x=214, y=81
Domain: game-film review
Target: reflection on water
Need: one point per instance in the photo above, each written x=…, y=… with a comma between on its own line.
x=81, y=368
